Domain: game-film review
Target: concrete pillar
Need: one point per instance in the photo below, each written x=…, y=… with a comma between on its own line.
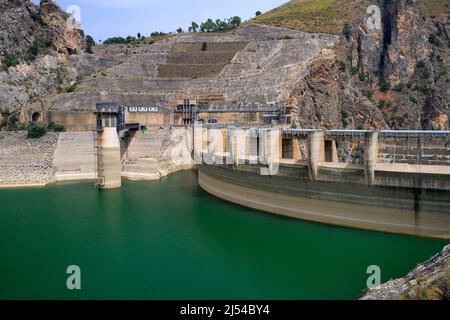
x=253, y=147
x=215, y=146
x=198, y=144
x=370, y=156
x=335, y=156
x=296, y=152
x=241, y=145
x=109, y=162
x=230, y=146
x=270, y=150
x=316, y=152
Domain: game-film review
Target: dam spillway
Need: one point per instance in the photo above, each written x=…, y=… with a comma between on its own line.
x=405, y=192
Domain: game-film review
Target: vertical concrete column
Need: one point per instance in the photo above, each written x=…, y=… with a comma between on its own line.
x=223, y=150
x=253, y=148
x=370, y=155
x=230, y=145
x=198, y=144
x=334, y=157
x=276, y=145
x=110, y=165
x=270, y=150
x=205, y=140
x=241, y=146
x=296, y=152
x=215, y=146
x=316, y=152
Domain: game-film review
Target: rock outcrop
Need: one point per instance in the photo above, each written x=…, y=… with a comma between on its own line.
x=65, y=31
x=393, y=73
x=35, y=42
x=429, y=281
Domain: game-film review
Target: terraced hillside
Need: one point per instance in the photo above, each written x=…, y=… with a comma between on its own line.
x=191, y=60
x=255, y=64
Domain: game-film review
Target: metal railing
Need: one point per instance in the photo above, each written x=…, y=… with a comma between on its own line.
x=362, y=133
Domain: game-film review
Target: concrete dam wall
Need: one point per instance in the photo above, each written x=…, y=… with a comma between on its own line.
x=311, y=182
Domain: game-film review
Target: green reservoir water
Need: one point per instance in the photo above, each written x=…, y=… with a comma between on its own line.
x=171, y=240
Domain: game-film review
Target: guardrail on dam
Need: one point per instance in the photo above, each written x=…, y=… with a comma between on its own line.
x=392, y=181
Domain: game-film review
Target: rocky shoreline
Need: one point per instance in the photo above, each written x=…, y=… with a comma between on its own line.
x=25, y=161
x=429, y=281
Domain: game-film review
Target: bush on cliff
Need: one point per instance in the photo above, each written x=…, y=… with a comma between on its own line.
x=56, y=127
x=36, y=131
x=347, y=31
x=9, y=61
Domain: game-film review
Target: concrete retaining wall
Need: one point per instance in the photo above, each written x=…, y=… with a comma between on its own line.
x=292, y=193
x=75, y=156
x=149, y=155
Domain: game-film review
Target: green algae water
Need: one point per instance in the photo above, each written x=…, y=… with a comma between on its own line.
x=171, y=240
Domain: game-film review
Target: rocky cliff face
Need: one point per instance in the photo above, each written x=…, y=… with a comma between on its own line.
x=395, y=76
x=35, y=42
x=66, y=34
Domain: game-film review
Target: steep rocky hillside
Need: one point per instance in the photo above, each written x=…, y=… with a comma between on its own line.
x=35, y=42
x=396, y=76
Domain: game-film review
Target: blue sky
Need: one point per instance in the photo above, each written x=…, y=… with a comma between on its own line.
x=107, y=18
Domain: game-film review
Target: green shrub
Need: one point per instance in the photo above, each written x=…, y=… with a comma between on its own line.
x=36, y=17
x=48, y=44
x=362, y=76
x=36, y=131
x=204, y=46
x=12, y=120
x=9, y=61
x=420, y=64
x=90, y=43
x=368, y=94
x=434, y=40
x=413, y=100
x=32, y=53
x=342, y=66
x=385, y=86
x=347, y=31
x=345, y=120
x=400, y=87
x=71, y=88
x=56, y=127
x=355, y=70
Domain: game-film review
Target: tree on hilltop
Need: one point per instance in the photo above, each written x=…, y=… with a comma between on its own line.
x=194, y=27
